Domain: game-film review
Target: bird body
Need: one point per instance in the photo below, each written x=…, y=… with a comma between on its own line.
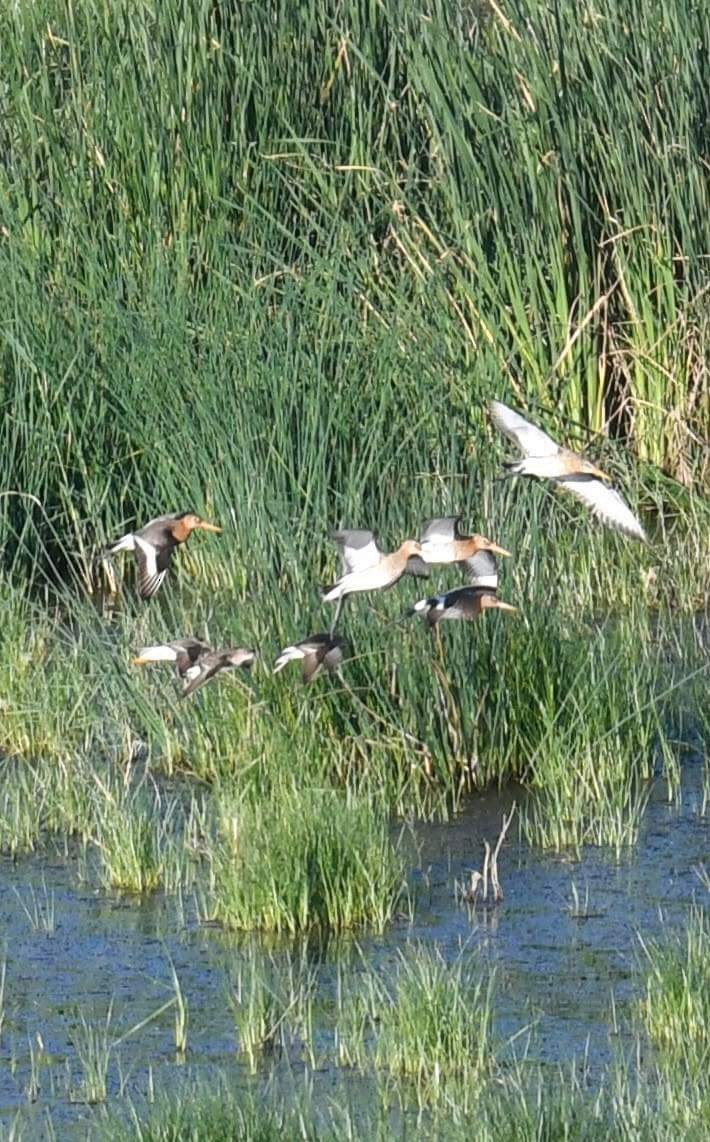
x=318, y=652
x=461, y=603
x=562, y=463
x=466, y=602
x=213, y=662
x=184, y=652
x=194, y=660
x=441, y=542
x=546, y=459
x=153, y=546
x=367, y=568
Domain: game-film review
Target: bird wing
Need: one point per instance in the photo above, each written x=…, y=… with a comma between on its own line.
x=158, y=529
x=314, y=643
x=441, y=530
x=358, y=548
x=150, y=574
x=208, y=666
x=312, y=664
x=417, y=567
x=333, y=656
x=125, y=543
x=188, y=651
x=288, y=654
x=530, y=439
x=483, y=570
x=160, y=652
x=605, y=503
x=460, y=603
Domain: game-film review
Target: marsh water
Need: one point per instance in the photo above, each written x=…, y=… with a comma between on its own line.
x=564, y=942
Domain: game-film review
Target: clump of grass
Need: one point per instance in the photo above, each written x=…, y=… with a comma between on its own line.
x=599, y=800
x=206, y=1115
x=93, y=1047
x=138, y=840
x=42, y=703
x=600, y=734
x=307, y=858
x=273, y=1007
x=427, y=1021
x=676, y=1007
x=20, y=809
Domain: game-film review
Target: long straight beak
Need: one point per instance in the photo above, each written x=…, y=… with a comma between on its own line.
x=501, y=606
x=602, y=475
x=139, y=661
x=205, y=526
x=496, y=550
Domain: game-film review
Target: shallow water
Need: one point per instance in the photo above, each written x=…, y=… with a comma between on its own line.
x=554, y=972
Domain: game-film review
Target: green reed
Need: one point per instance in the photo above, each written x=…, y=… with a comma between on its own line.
x=428, y=1022
x=288, y=313
x=675, y=1007
x=306, y=858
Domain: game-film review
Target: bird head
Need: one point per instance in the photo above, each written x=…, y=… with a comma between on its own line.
x=192, y=522
x=483, y=544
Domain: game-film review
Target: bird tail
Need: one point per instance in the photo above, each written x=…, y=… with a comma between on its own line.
x=419, y=608
x=288, y=654
x=512, y=468
x=330, y=594
x=154, y=654
x=125, y=543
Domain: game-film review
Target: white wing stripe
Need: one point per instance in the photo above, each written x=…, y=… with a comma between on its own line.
x=530, y=439
x=605, y=503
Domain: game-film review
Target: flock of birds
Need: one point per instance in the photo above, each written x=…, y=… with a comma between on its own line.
x=367, y=568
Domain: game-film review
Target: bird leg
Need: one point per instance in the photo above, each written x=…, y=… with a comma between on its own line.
x=338, y=609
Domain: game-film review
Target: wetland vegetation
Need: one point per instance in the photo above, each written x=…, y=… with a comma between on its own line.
x=269, y=262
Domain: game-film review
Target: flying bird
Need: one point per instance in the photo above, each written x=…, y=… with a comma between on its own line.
x=194, y=661
x=319, y=652
x=465, y=602
x=210, y=664
x=367, y=568
x=442, y=542
x=154, y=544
x=544, y=458
x=182, y=652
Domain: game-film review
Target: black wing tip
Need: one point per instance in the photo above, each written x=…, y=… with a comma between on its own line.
x=150, y=588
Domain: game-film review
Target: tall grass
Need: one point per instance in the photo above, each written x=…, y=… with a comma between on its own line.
x=191, y=228
x=675, y=1007
x=288, y=311
x=425, y=1021
x=311, y=858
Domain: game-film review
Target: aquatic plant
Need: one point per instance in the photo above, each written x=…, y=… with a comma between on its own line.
x=93, y=1046
x=206, y=1115
x=676, y=1006
x=137, y=841
x=310, y=857
x=272, y=1003
x=424, y=1020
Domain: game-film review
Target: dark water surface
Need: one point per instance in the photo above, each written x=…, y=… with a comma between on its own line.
x=555, y=972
